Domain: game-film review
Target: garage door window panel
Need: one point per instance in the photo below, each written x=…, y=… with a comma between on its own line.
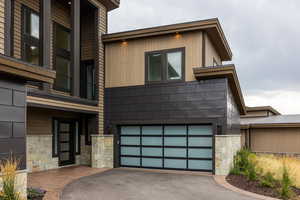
x=152, y=162
x=175, y=163
x=152, y=151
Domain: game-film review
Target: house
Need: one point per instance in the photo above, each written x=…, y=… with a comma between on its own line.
x=169, y=100
x=52, y=82
x=264, y=130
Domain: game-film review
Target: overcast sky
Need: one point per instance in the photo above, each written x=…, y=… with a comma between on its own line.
x=264, y=36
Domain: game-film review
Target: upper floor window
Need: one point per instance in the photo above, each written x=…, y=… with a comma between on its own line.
x=215, y=63
x=30, y=36
x=88, y=80
x=165, y=65
x=62, y=58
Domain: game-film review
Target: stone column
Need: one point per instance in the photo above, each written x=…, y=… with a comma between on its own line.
x=226, y=146
x=102, y=151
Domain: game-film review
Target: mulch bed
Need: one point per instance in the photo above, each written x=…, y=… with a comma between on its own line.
x=242, y=182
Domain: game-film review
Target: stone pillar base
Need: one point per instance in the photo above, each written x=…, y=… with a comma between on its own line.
x=20, y=183
x=226, y=146
x=102, y=151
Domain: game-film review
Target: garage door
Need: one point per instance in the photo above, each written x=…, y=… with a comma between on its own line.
x=167, y=147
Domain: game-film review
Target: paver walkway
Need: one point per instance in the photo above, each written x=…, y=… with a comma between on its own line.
x=53, y=181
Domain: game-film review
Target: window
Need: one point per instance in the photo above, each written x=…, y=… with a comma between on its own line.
x=88, y=80
x=165, y=66
x=215, y=63
x=30, y=36
x=62, y=58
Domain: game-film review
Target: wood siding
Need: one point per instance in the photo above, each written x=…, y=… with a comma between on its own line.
x=211, y=53
x=33, y=4
x=125, y=62
x=2, y=29
x=88, y=45
x=39, y=121
x=276, y=140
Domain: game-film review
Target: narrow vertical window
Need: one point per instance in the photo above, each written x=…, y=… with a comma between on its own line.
x=62, y=58
x=88, y=80
x=55, y=138
x=30, y=36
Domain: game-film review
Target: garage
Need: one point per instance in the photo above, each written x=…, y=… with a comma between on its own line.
x=180, y=147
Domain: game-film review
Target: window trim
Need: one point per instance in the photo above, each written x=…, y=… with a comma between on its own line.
x=63, y=53
x=28, y=39
x=165, y=67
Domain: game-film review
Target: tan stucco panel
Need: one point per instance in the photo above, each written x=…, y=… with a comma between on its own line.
x=125, y=61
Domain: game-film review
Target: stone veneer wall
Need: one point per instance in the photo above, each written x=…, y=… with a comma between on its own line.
x=21, y=183
x=102, y=151
x=226, y=146
x=39, y=153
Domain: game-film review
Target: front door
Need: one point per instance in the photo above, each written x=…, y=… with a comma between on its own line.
x=66, y=134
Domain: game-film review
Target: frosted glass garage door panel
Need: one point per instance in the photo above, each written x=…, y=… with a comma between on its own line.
x=200, y=153
x=175, y=141
x=130, y=130
x=152, y=151
x=200, y=164
x=130, y=161
x=152, y=162
x=130, y=140
x=175, y=130
x=175, y=152
x=152, y=141
x=173, y=163
x=130, y=151
x=200, y=130
x=200, y=141
x=152, y=130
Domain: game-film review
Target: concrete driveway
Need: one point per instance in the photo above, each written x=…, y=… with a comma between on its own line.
x=128, y=184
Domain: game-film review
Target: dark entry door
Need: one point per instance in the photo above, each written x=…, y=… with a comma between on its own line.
x=66, y=134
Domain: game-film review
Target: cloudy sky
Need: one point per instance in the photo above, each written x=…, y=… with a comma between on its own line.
x=264, y=36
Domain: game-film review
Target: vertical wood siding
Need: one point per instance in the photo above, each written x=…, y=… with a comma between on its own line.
x=211, y=53
x=2, y=16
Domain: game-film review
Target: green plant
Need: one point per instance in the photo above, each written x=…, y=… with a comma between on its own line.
x=250, y=172
x=268, y=180
x=8, y=169
x=286, y=183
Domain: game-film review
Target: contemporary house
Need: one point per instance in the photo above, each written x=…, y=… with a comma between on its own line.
x=71, y=94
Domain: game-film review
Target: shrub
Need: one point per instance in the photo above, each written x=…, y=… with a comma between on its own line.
x=286, y=183
x=268, y=180
x=8, y=168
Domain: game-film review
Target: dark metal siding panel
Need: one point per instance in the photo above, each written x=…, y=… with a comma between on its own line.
x=172, y=103
x=232, y=115
x=12, y=120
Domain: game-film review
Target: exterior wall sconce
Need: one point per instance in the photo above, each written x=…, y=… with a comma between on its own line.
x=178, y=36
x=124, y=43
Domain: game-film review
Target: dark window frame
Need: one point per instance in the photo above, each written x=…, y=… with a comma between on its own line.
x=83, y=79
x=164, y=69
x=63, y=53
x=27, y=39
x=55, y=152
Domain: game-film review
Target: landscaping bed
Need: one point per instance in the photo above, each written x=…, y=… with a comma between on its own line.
x=241, y=181
x=271, y=176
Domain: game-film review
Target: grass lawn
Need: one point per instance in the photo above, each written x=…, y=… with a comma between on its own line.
x=274, y=164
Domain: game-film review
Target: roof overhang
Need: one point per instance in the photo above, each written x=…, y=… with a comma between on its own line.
x=211, y=26
x=264, y=108
x=110, y=4
x=13, y=67
x=278, y=125
x=224, y=71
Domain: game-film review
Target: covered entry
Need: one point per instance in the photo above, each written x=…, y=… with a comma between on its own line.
x=181, y=147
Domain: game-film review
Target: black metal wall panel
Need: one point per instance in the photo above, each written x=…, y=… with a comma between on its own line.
x=12, y=120
x=173, y=103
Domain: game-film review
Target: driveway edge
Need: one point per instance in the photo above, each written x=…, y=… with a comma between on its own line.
x=221, y=180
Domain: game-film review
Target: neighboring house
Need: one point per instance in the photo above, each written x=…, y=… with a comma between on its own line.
x=52, y=81
x=265, y=130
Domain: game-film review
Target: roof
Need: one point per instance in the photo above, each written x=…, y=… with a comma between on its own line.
x=272, y=121
x=211, y=26
x=224, y=71
x=264, y=108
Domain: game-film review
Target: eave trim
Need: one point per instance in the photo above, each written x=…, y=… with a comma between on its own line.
x=224, y=71
x=25, y=70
